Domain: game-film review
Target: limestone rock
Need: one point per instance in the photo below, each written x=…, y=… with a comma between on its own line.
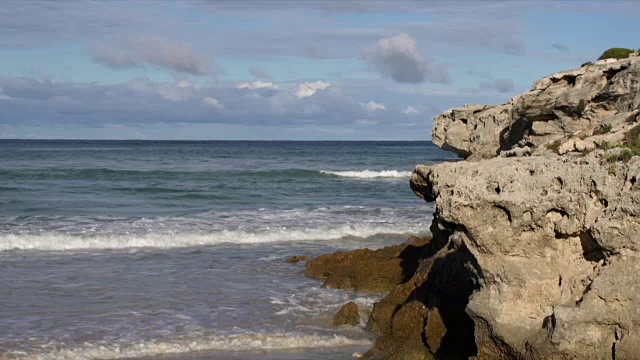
x=553, y=246
x=577, y=145
x=559, y=105
x=347, y=315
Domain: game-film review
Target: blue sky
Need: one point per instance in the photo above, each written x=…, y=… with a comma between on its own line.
x=276, y=69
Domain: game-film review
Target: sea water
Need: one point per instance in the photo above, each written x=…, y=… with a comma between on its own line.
x=124, y=249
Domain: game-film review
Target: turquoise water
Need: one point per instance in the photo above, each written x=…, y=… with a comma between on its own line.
x=117, y=249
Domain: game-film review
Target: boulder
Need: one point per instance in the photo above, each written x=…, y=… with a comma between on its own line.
x=347, y=315
x=368, y=270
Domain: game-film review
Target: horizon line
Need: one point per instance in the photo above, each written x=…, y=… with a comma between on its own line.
x=265, y=140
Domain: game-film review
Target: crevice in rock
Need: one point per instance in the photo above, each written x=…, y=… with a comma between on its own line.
x=451, y=301
x=516, y=131
x=451, y=279
x=506, y=212
x=613, y=351
x=568, y=78
x=591, y=250
x=549, y=323
x=609, y=74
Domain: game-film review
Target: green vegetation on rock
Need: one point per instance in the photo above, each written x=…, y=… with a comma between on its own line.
x=630, y=147
x=586, y=64
x=616, y=53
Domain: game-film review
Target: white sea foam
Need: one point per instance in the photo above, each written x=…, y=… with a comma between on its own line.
x=369, y=174
x=236, y=342
x=55, y=241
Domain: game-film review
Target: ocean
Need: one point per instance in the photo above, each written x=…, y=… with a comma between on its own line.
x=169, y=249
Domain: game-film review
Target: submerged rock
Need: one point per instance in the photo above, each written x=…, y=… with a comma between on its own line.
x=297, y=258
x=368, y=270
x=347, y=315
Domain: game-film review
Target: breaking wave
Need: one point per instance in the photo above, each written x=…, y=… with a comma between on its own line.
x=55, y=241
x=369, y=174
x=237, y=342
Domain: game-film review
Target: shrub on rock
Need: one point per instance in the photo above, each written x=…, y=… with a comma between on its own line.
x=616, y=53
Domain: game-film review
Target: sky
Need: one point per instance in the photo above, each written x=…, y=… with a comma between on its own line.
x=282, y=70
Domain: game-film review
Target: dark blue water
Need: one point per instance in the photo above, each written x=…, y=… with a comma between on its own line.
x=135, y=248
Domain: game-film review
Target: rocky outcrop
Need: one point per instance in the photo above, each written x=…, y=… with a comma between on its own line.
x=535, y=251
x=579, y=102
x=368, y=270
x=553, y=246
x=536, y=238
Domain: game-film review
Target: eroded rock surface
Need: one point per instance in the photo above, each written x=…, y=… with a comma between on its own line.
x=581, y=102
x=553, y=246
x=536, y=238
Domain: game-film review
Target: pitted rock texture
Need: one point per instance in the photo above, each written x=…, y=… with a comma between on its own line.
x=605, y=95
x=552, y=250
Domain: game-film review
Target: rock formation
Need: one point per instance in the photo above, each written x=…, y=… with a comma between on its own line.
x=551, y=248
x=536, y=237
x=368, y=270
x=580, y=102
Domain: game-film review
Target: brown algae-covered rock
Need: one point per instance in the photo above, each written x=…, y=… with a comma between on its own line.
x=368, y=270
x=297, y=258
x=347, y=315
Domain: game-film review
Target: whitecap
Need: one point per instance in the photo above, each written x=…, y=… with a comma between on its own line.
x=234, y=342
x=369, y=174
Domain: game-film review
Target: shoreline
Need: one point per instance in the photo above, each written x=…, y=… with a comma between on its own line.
x=337, y=353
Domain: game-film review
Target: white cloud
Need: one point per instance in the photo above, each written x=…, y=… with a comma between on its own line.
x=213, y=102
x=309, y=88
x=4, y=96
x=398, y=58
x=185, y=84
x=411, y=110
x=373, y=106
x=257, y=85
